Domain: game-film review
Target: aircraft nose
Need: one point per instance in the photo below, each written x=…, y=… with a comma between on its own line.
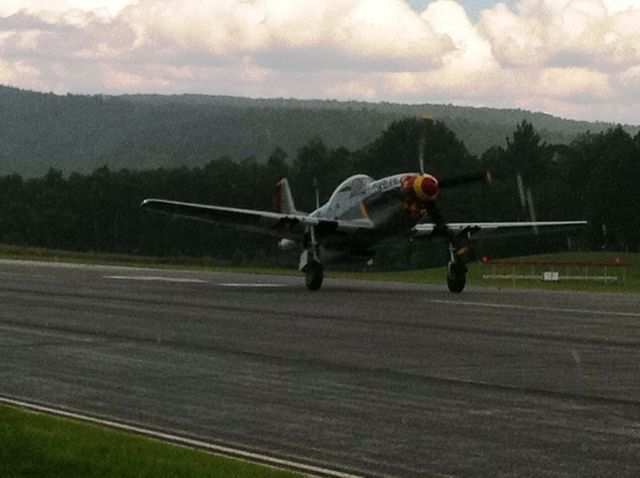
x=426, y=187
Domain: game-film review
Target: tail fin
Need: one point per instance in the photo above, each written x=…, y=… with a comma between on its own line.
x=283, y=201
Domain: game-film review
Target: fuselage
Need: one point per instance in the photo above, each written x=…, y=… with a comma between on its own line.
x=393, y=205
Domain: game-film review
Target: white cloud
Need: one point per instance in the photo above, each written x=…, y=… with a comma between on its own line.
x=567, y=57
x=575, y=84
x=615, y=6
x=301, y=33
x=110, y=7
x=472, y=53
x=12, y=72
x=566, y=33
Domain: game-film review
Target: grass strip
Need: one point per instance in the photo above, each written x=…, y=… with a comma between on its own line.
x=38, y=445
x=628, y=278
x=28, y=253
x=630, y=283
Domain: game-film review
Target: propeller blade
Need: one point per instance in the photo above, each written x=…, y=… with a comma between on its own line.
x=436, y=217
x=526, y=200
x=484, y=176
x=523, y=198
x=316, y=187
x=458, y=244
x=532, y=210
x=421, y=153
x=425, y=120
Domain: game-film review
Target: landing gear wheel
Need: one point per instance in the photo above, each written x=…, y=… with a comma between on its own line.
x=456, y=277
x=313, y=275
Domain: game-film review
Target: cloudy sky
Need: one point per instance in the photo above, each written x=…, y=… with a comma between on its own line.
x=572, y=58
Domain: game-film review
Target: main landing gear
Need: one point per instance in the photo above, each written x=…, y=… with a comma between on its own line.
x=313, y=275
x=456, y=272
x=310, y=262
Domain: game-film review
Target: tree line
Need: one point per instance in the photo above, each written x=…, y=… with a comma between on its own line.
x=80, y=132
x=592, y=178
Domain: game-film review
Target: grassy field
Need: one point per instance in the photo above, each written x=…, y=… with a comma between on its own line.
x=37, y=445
x=628, y=282
x=628, y=277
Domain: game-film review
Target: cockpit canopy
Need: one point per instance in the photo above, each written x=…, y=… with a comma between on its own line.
x=351, y=186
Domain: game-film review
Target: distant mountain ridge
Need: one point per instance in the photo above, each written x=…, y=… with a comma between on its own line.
x=79, y=132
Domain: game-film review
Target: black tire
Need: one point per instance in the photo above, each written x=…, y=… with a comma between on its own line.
x=456, y=277
x=313, y=275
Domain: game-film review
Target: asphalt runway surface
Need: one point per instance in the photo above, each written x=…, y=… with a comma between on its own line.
x=380, y=379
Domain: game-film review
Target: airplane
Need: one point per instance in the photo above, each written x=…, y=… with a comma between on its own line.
x=359, y=214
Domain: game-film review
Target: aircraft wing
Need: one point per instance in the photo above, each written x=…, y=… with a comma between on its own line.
x=289, y=226
x=422, y=230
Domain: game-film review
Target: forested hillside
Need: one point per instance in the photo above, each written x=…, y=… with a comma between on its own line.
x=76, y=133
x=594, y=178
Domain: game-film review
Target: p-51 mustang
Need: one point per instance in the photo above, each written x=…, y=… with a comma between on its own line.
x=359, y=214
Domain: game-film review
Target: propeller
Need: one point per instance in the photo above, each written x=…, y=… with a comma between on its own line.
x=457, y=242
x=426, y=188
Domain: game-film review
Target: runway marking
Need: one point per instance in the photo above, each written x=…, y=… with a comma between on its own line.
x=157, y=279
x=539, y=308
x=249, y=284
x=16, y=274
x=45, y=333
x=183, y=441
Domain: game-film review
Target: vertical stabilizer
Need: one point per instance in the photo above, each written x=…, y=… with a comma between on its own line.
x=283, y=201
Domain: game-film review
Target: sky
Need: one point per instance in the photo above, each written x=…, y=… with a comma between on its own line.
x=570, y=58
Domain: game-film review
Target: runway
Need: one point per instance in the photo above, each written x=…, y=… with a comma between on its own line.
x=378, y=379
